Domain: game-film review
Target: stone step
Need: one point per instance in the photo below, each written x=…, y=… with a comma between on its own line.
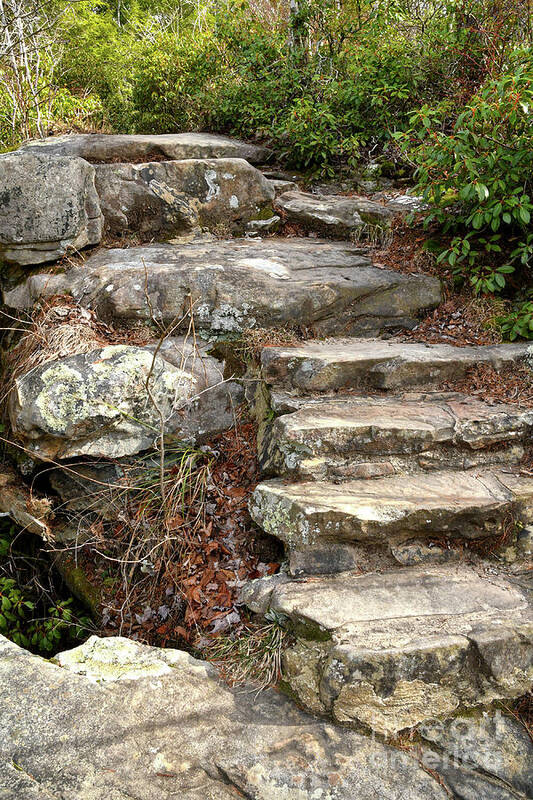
x=238, y=284
x=358, y=437
x=390, y=650
x=375, y=364
x=319, y=521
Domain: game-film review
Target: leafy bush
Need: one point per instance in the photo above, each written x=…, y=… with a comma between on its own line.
x=477, y=174
x=29, y=616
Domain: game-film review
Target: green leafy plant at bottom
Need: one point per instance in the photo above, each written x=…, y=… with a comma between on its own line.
x=41, y=624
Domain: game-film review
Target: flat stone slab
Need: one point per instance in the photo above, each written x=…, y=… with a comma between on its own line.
x=237, y=284
x=172, y=146
x=356, y=437
x=362, y=363
x=172, y=197
x=465, y=505
x=120, y=720
x=332, y=215
x=110, y=401
x=48, y=206
x=391, y=650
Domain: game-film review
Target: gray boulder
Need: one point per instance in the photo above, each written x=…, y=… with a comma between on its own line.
x=238, y=284
x=98, y=403
x=101, y=147
x=333, y=215
x=176, y=196
x=119, y=720
x=48, y=205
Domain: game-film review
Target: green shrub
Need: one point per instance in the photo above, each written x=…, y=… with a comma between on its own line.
x=476, y=172
x=28, y=616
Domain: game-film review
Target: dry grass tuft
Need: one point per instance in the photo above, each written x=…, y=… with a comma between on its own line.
x=253, y=656
x=58, y=328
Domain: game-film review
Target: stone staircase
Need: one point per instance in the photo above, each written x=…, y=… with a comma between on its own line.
x=382, y=487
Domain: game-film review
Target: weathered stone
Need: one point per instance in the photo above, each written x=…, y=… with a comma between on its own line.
x=352, y=437
x=99, y=404
x=405, y=204
x=101, y=147
x=122, y=720
x=488, y=742
x=173, y=196
x=263, y=226
x=414, y=552
x=237, y=284
x=362, y=363
x=48, y=205
x=391, y=650
x=282, y=186
x=332, y=215
x=465, y=505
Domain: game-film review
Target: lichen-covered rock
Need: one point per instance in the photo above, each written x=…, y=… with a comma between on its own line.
x=332, y=215
x=161, y=198
x=48, y=205
x=391, y=650
x=112, y=402
x=237, y=284
x=102, y=147
x=120, y=720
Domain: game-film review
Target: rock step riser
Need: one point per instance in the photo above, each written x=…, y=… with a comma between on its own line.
x=389, y=691
x=292, y=464
x=364, y=437
x=450, y=505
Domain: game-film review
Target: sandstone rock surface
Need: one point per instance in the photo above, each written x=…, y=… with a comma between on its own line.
x=386, y=365
x=101, y=147
x=98, y=403
x=369, y=436
x=332, y=215
x=237, y=284
x=48, y=206
x=161, y=198
x=120, y=720
x=464, y=505
x=391, y=650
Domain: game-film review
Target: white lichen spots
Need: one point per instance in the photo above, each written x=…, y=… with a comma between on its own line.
x=213, y=186
x=228, y=176
x=234, y=201
x=109, y=287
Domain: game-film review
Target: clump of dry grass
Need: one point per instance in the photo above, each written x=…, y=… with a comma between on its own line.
x=253, y=340
x=252, y=656
x=58, y=328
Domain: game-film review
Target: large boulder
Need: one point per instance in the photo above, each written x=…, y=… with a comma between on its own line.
x=101, y=147
x=238, y=284
x=333, y=215
x=48, y=205
x=117, y=720
x=176, y=196
x=113, y=401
